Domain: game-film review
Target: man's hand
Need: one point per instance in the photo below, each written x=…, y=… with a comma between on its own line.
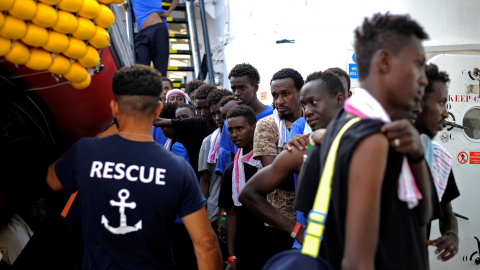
x=447, y=246
x=221, y=230
x=404, y=138
x=300, y=234
x=231, y=266
x=164, y=14
x=317, y=135
x=299, y=141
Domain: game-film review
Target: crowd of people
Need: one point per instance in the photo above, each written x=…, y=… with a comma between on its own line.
x=211, y=178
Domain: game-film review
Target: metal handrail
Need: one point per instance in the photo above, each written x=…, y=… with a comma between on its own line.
x=207, y=42
x=192, y=30
x=130, y=30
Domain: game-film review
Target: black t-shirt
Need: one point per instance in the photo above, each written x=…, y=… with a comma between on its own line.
x=398, y=246
x=451, y=192
x=191, y=132
x=249, y=227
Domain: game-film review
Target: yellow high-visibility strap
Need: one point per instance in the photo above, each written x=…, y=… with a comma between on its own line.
x=318, y=215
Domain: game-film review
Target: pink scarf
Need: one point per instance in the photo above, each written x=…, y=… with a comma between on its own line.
x=238, y=177
x=214, y=146
x=363, y=104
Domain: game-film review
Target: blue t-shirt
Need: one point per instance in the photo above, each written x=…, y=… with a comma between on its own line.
x=143, y=8
x=297, y=128
x=224, y=158
x=227, y=144
x=179, y=150
x=131, y=193
x=158, y=135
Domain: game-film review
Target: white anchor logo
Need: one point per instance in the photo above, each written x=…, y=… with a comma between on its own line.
x=123, y=228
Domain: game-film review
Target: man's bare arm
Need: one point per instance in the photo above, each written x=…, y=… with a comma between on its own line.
x=169, y=11
x=205, y=183
x=447, y=244
x=231, y=226
x=52, y=179
x=267, y=160
x=364, y=196
x=162, y=122
x=265, y=181
x=204, y=240
x=404, y=138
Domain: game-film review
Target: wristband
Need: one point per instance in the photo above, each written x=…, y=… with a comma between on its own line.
x=222, y=218
x=416, y=160
x=295, y=230
x=232, y=259
x=452, y=233
x=224, y=213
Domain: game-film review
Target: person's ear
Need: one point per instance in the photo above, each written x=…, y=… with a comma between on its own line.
x=254, y=126
x=114, y=107
x=339, y=100
x=382, y=62
x=255, y=88
x=158, y=109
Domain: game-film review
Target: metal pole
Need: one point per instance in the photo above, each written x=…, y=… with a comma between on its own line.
x=207, y=42
x=192, y=30
x=131, y=35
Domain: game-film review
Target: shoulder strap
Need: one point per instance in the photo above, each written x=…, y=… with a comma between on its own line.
x=318, y=215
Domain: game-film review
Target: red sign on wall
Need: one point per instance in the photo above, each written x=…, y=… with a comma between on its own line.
x=474, y=157
x=462, y=157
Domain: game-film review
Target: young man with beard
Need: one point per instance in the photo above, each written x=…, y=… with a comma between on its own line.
x=430, y=120
x=271, y=135
x=321, y=96
x=244, y=230
x=376, y=206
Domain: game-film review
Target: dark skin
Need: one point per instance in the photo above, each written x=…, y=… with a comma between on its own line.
x=287, y=102
x=204, y=111
x=447, y=244
x=318, y=109
x=224, y=110
x=241, y=133
x=429, y=121
x=246, y=93
x=393, y=80
x=205, y=175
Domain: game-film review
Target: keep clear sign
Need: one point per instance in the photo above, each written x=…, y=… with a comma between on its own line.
x=351, y=68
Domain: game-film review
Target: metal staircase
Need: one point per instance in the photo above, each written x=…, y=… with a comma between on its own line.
x=185, y=54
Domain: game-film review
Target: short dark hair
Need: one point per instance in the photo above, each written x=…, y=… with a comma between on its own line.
x=137, y=89
x=245, y=111
x=329, y=80
x=341, y=73
x=191, y=86
x=245, y=69
x=225, y=100
x=383, y=31
x=434, y=75
x=189, y=106
x=216, y=95
x=314, y=76
x=204, y=91
x=168, y=111
x=289, y=73
x=137, y=80
x=165, y=79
